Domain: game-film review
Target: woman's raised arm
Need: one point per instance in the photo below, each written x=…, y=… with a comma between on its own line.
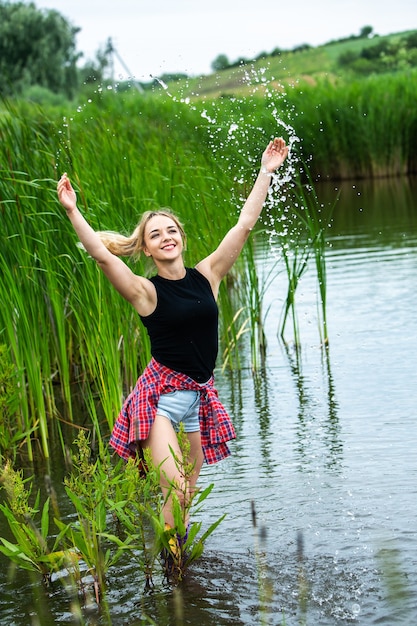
x=217, y=264
x=136, y=289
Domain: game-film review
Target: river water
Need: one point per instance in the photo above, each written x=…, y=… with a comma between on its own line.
x=325, y=454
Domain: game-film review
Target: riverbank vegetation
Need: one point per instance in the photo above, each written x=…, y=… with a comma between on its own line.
x=125, y=154
x=70, y=347
x=128, y=152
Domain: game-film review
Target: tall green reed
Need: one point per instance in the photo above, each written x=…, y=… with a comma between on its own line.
x=361, y=128
x=295, y=260
x=316, y=219
x=64, y=323
x=47, y=281
x=11, y=430
x=246, y=291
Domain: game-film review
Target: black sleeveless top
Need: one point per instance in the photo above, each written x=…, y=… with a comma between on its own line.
x=183, y=329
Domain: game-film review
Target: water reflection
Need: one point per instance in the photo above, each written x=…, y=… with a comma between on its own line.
x=377, y=211
x=329, y=431
x=334, y=439
x=262, y=386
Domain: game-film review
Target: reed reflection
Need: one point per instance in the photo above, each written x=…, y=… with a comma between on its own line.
x=315, y=435
x=263, y=413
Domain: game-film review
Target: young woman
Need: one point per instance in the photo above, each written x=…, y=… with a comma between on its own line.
x=178, y=308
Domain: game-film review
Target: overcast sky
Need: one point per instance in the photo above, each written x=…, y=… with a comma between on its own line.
x=154, y=38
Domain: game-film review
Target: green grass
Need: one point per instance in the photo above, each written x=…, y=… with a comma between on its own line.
x=303, y=66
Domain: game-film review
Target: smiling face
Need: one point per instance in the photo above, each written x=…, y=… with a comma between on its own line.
x=162, y=238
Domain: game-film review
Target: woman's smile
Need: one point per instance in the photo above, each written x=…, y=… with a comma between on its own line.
x=162, y=235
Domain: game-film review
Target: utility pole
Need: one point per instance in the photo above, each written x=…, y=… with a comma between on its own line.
x=111, y=50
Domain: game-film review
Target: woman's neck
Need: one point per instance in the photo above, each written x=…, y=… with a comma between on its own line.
x=171, y=271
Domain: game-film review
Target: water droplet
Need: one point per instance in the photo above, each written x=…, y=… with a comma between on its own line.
x=356, y=609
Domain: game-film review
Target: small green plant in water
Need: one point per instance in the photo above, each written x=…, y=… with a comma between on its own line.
x=135, y=502
x=118, y=513
x=31, y=550
x=90, y=487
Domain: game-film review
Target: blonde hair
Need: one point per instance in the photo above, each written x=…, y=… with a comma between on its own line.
x=132, y=245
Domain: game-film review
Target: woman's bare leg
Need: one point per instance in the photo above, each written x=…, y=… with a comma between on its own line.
x=162, y=439
x=196, y=456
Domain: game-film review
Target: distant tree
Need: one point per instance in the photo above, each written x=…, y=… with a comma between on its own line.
x=239, y=62
x=374, y=52
x=261, y=55
x=37, y=47
x=387, y=55
x=220, y=63
x=411, y=40
x=173, y=77
x=348, y=57
x=91, y=73
x=301, y=47
x=365, y=32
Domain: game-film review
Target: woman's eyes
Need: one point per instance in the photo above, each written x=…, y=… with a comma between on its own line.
x=172, y=231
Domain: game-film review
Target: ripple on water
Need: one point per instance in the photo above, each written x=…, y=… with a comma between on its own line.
x=228, y=588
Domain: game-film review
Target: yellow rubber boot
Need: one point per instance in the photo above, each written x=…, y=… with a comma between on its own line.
x=172, y=542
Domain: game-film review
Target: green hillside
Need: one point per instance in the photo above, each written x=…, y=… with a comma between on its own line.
x=309, y=64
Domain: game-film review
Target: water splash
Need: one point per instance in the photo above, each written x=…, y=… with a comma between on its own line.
x=237, y=139
x=234, y=132
x=162, y=83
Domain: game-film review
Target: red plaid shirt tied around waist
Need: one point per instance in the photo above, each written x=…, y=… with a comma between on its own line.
x=139, y=410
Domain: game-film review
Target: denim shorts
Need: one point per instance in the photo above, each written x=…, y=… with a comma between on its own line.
x=183, y=406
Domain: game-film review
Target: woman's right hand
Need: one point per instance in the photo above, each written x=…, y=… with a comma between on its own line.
x=66, y=193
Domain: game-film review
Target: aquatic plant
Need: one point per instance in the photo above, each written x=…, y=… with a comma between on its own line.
x=295, y=262
x=134, y=503
x=138, y=508
x=89, y=486
x=316, y=220
x=32, y=550
x=118, y=513
x=11, y=432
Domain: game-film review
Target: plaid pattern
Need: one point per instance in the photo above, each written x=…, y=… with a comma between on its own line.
x=138, y=413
